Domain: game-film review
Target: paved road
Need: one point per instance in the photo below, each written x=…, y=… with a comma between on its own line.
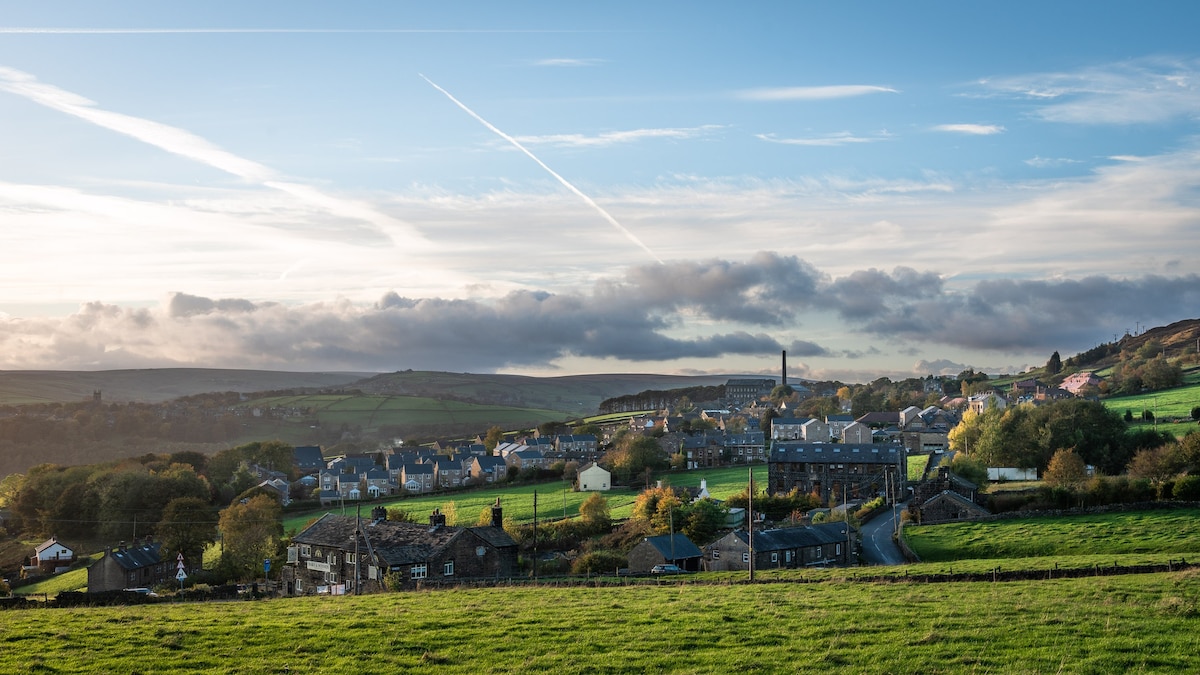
x=877, y=545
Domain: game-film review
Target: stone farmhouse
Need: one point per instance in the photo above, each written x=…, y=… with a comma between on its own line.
x=137, y=566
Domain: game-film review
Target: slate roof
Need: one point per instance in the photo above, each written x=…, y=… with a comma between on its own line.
x=787, y=538
x=138, y=557
x=684, y=548
x=308, y=456
x=869, y=453
x=395, y=543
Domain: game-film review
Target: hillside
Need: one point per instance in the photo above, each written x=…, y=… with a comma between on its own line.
x=19, y=387
x=577, y=395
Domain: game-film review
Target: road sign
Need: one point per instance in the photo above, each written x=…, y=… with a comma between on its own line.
x=179, y=557
x=267, y=565
x=181, y=575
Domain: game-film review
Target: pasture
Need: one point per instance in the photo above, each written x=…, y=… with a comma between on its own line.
x=1174, y=532
x=1139, y=624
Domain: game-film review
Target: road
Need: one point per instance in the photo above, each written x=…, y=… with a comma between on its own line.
x=877, y=545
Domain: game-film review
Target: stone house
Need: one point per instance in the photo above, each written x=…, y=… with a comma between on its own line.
x=362, y=555
x=138, y=566
x=836, y=470
x=827, y=544
x=664, y=549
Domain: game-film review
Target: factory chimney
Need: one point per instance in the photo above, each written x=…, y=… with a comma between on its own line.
x=784, y=382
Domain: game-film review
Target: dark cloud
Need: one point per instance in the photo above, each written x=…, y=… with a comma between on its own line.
x=1014, y=315
x=707, y=310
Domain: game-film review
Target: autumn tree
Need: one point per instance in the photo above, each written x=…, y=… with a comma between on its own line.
x=1066, y=470
x=250, y=533
x=494, y=437
x=595, y=513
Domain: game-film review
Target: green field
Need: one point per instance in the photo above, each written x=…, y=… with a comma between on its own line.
x=1170, y=532
x=517, y=500
x=1140, y=623
x=1168, y=406
x=916, y=467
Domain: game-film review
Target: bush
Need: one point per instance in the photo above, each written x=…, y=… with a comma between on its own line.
x=1187, y=489
x=602, y=561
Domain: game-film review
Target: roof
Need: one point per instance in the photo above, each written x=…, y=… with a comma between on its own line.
x=796, y=537
x=957, y=498
x=308, y=456
x=395, y=543
x=138, y=557
x=684, y=548
x=413, y=469
x=865, y=453
x=52, y=541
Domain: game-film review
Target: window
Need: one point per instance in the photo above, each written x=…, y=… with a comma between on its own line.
x=350, y=559
x=787, y=556
x=716, y=554
x=448, y=568
x=331, y=577
x=838, y=549
x=417, y=572
x=745, y=557
x=774, y=556
x=305, y=550
x=818, y=551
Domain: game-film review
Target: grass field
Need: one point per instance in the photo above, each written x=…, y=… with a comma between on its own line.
x=916, y=466
x=517, y=500
x=1140, y=624
x=1137, y=532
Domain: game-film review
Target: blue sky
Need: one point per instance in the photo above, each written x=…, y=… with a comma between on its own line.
x=881, y=189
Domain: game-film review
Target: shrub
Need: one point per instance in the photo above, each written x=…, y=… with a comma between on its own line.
x=1187, y=489
x=602, y=561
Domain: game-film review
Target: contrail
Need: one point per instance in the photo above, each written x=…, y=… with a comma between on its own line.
x=599, y=209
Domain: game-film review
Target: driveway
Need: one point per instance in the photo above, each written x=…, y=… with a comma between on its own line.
x=877, y=545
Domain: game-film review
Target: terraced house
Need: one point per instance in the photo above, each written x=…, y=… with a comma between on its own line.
x=839, y=470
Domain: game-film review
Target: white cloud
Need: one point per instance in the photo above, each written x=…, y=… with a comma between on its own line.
x=830, y=140
x=1047, y=162
x=812, y=93
x=1145, y=90
x=568, y=62
x=185, y=144
x=618, y=137
x=972, y=129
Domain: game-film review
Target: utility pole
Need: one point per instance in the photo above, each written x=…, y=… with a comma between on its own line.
x=357, y=555
x=535, y=556
x=750, y=520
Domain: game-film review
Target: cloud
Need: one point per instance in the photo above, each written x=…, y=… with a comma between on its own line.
x=185, y=144
x=654, y=313
x=618, y=137
x=570, y=63
x=830, y=140
x=971, y=129
x=812, y=93
x=1148, y=90
x=1046, y=162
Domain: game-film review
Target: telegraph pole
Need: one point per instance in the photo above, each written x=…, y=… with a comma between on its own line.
x=750, y=519
x=535, y=558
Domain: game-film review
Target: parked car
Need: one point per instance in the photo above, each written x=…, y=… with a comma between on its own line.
x=666, y=569
x=142, y=591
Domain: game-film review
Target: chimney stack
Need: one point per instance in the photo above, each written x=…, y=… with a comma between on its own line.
x=784, y=382
x=497, y=514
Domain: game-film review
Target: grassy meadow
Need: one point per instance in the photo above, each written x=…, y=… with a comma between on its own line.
x=1138, y=623
x=1171, y=532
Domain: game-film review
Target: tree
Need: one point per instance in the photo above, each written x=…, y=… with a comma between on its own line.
x=633, y=456
x=595, y=513
x=494, y=437
x=1066, y=470
x=1153, y=464
x=10, y=487
x=702, y=521
x=969, y=468
x=188, y=526
x=1054, y=365
x=250, y=533
x=1196, y=414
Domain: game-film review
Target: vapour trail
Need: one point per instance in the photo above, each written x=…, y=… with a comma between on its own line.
x=599, y=209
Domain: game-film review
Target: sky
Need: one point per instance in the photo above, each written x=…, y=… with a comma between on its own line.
x=548, y=188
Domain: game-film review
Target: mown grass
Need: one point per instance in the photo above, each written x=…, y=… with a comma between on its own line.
x=916, y=466
x=517, y=500
x=1145, y=623
x=1174, y=531
x=73, y=580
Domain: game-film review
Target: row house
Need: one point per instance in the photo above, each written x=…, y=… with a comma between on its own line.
x=138, y=566
x=824, y=545
x=417, y=478
x=747, y=447
x=340, y=554
x=448, y=471
x=580, y=444
x=525, y=459
x=788, y=428
x=835, y=470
